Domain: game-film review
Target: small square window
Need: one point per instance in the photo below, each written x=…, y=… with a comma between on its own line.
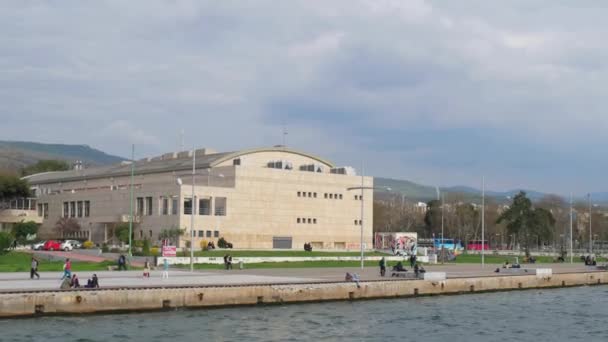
x=208, y=233
x=314, y=195
x=216, y=233
x=201, y=233
x=299, y=194
x=356, y=222
x=310, y=194
x=309, y=221
x=325, y=195
x=331, y=196
x=314, y=221
x=298, y=220
x=340, y=196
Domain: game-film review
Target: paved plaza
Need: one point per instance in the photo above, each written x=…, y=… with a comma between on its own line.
x=51, y=280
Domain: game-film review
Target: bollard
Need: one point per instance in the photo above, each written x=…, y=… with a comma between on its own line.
x=240, y=264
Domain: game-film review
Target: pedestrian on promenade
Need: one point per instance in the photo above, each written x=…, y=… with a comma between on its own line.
x=122, y=262
x=34, y=269
x=147, y=269
x=65, y=283
x=229, y=262
x=165, y=268
x=225, y=261
x=93, y=283
x=67, y=269
x=382, y=267
x=412, y=260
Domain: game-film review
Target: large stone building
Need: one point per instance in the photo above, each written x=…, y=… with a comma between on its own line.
x=260, y=198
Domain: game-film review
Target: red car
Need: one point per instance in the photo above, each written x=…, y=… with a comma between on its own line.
x=52, y=245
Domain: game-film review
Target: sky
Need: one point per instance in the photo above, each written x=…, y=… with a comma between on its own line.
x=437, y=92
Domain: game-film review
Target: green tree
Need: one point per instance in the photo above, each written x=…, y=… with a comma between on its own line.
x=22, y=229
x=5, y=242
x=526, y=221
x=171, y=234
x=12, y=187
x=432, y=218
x=121, y=232
x=45, y=166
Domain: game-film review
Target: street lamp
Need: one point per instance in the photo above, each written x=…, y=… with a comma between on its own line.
x=362, y=209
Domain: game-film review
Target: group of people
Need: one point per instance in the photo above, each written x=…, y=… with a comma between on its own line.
x=210, y=245
x=72, y=282
x=399, y=266
x=589, y=260
x=307, y=247
x=228, y=261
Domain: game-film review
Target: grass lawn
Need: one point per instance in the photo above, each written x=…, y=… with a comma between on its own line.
x=20, y=262
x=266, y=253
x=295, y=264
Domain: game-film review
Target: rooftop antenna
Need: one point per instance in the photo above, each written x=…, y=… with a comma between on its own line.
x=182, y=139
x=285, y=136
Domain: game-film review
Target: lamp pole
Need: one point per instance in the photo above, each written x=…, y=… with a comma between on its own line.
x=483, y=218
x=571, y=261
x=590, y=236
x=192, y=212
x=362, y=214
x=131, y=201
x=442, y=241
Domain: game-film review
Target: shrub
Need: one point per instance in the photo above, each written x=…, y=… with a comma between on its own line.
x=145, y=248
x=115, y=250
x=138, y=243
x=88, y=244
x=203, y=244
x=154, y=251
x=222, y=243
x=104, y=248
x=5, y=241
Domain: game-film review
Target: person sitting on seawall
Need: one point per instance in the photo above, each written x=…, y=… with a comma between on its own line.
x=93, y=283
x=75, y=282
x=352, y=277
x=66, y=283
x=399, y=267
x=418, y=269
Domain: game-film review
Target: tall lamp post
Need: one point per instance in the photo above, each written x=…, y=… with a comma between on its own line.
x=131, y=202
x=362, y=198
x=192, y=212
x=590, y=236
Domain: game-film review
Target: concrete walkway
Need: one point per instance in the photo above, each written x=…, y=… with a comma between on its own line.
x=51, y=280
x=76, y=255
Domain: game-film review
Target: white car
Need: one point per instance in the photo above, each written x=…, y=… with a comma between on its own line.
x=38, y=246
x=66, y=246
x=74, y=243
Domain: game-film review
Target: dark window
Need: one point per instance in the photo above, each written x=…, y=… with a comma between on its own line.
x=309, y=220
x=281, y=242
x=331, y=196
x=299, y=194
x=72, y=209
x=79, y=208
x=149, y=206
x=216, y=233
x=204, y=206
x=201, y=233
x=236, y=162
x=314, y=195
x=187, y=206
x=340, y=196
x=208, y=233
x=174, y=206
x=325, y=195
x=150, y=232
x=314, y=221
x=87, y=208
x=298, y=220
x=165, y=206
x=139, y=206
x=45, y=210
x=66, y=209
x=310, y=194
x=221, y=204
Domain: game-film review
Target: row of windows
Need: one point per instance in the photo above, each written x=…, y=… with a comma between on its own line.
x=358, y=222
x=304, y=194
x=306, y=220
x=333, y=196
x=43, y=210
x=203, y=233
x=358, y=197
x=205, y=205
x=76, y=209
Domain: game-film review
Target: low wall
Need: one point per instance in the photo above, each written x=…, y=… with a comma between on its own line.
x=255, y=260
x=159, y=298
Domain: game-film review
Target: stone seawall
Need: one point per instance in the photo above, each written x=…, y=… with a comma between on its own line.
x=19, y=304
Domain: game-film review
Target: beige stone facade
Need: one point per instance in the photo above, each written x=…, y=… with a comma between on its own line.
x=258, y=199
x=18, y=210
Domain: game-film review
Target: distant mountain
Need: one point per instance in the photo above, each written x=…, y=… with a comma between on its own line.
x=15, y=155
x=425, y=193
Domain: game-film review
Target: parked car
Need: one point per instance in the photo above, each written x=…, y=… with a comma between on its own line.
x=66, y=246
x=52, y=245
x=74, y=243
x=38, y=246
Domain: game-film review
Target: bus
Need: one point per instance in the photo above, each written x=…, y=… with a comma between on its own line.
x=452, y=244
x=476, y=245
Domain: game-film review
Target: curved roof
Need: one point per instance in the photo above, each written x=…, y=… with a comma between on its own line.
x=232, y=155
x=156, y=166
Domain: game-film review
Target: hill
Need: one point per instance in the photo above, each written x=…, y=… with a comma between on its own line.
x=15, y=155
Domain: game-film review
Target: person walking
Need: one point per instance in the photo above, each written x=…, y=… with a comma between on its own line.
x=67, y=269
x=34, y=269
x=147, y=269
x=165, y=269
x=229, y=260
x=122, y=262
x=382, y=267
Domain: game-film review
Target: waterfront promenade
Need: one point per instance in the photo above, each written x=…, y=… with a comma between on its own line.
x=20, y=281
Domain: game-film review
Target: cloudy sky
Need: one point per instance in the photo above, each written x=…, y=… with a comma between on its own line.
x=438, y=92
